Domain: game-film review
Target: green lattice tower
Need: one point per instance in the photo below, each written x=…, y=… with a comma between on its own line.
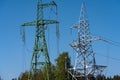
x=40, y=46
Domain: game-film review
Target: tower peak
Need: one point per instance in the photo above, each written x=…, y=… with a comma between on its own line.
x=82, y=11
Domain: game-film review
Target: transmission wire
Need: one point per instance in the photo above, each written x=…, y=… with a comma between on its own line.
x=112, y=58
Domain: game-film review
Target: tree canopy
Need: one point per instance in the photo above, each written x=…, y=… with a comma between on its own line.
x=59, y=71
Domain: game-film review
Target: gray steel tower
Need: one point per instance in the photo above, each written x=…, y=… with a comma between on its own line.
x=85, y=64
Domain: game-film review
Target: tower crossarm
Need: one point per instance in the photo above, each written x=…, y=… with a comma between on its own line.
x=76, y=44
x=40, y=22
x=52, y=3
x=100, y=67
x=94, y=38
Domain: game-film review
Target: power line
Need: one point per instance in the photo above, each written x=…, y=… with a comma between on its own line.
x=116, y=59
x=111, y=42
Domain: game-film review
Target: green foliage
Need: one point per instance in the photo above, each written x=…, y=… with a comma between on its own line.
x=59, y=71
x=12, y=79
x=62, y=63
x=101, y=77
x=51, y=69
x=24, y=76
x=116, y=77
x=40, y=74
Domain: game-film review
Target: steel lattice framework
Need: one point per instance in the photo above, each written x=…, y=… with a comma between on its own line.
x=40, y=57
x=85, y=64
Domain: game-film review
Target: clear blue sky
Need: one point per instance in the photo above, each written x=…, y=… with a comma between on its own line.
x=104, y=19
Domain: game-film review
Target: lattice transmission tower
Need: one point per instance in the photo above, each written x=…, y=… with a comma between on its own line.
x=40, y=56
x=85, y=63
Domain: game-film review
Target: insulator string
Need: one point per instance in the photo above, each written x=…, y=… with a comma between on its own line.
x=22, y=33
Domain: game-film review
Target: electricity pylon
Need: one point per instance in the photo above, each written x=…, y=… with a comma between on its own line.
x=40, y=57
x=85, y=64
